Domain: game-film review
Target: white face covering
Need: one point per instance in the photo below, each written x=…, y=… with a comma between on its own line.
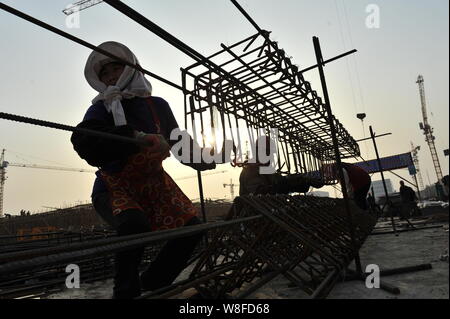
x=130, y=84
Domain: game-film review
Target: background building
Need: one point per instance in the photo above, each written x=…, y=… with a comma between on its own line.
x=378, y=188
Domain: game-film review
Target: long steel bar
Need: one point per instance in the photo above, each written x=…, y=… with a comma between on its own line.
x=372, y=135
x=319, y=58
x=83, y=43
x=28, y=120
x=108, y=246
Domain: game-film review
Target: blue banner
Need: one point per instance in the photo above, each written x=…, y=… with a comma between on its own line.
x=389, y=163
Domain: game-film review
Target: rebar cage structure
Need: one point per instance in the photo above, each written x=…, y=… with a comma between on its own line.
x=254, y=85
x=305, y=239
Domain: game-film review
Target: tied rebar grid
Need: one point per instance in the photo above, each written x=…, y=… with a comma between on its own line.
x=303, y=238
x=258, y=88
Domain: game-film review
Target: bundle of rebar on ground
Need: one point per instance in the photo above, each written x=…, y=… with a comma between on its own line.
x=41, y=281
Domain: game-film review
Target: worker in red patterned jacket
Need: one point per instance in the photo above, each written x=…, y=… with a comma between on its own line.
x=132, y=192
x=357, y=182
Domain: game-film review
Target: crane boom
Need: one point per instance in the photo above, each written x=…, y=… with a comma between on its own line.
x=4, y=164
x=70, y=169
x=428, y=130
x=423, y=101
x=204, y=174
x=80, y=5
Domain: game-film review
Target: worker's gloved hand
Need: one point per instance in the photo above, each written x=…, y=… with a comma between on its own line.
x=156, y=143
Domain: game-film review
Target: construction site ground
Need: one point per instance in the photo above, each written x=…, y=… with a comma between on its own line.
x=387, y=251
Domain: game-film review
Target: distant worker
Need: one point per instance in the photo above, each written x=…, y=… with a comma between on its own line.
x=371, y=202
x=409, y=198
x=445, y=181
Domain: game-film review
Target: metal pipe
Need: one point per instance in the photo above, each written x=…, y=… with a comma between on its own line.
x=388, y=201
x=403, y=270
x=321, y=291
x=319, y=58
x=119, y=244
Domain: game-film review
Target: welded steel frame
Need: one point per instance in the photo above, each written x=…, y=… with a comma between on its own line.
x=262, y=88
x=304, y=239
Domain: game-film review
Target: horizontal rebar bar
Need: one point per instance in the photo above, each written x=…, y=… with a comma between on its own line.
x=83, y=43
x=38, y=122
x=105, y=246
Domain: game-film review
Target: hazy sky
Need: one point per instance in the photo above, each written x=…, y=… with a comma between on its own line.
x=42, y=77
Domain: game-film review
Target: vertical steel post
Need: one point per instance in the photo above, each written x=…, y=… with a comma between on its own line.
x=320, y=65
x=388, y=201
x=199, y=173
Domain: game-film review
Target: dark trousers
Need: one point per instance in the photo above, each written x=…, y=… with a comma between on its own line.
x=360, y=196
x=169, y=263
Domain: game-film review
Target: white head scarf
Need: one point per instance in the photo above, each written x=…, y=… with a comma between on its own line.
x=130, y=84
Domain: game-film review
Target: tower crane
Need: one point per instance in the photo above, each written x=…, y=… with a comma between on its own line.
x=415, y=156
x=4, y=164
x=231, y=185
x=428, y=130
x=417, y=174
x=80, y=5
